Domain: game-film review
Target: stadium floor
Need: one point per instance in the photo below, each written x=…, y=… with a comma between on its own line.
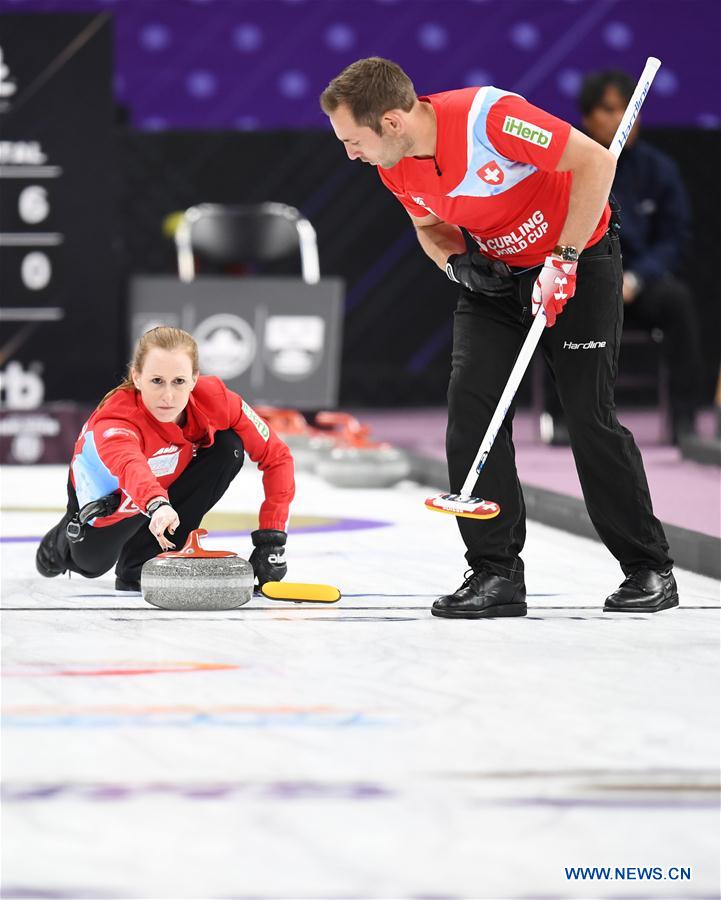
x=364, y=749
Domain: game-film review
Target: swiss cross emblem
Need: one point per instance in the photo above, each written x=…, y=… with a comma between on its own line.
x=491, y=173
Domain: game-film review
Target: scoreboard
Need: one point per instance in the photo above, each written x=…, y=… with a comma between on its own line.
x=60, y=319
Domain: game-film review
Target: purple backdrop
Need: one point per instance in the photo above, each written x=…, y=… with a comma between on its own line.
x=250, y=64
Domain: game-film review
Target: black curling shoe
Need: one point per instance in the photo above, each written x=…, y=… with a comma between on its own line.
x=644, y=591
x=52, y=555
x=483, y=595
x=129, y=586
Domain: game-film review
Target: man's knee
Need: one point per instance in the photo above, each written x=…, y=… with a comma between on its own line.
x=587, y=410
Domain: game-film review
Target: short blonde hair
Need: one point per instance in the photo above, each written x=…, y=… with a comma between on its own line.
x=369, y=88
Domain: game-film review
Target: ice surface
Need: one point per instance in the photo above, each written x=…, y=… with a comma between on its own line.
x=360, y=750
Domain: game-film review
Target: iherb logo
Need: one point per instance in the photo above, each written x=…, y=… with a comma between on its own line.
x=527, y=132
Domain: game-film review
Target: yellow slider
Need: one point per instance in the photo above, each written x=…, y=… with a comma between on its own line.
x=312, y=593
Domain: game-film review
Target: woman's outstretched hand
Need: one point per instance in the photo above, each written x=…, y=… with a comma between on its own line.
x=165, y=518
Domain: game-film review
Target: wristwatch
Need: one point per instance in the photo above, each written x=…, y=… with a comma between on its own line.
x=154, y=506
x=567, y=252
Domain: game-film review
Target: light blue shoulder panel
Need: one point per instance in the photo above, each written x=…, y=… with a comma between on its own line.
x=481, y=151
x=93, y=478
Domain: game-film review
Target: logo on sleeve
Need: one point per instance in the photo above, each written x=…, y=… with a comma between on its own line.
x=491, y=173
x=262, y=427
x=421, y=202
x=117, y=432
x=527, y=132
x=164, y=461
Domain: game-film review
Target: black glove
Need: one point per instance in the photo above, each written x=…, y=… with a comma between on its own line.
x=268, y=558
x=479, y=274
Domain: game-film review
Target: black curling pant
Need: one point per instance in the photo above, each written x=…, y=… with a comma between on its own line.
x=582, y=352
x=130, y=543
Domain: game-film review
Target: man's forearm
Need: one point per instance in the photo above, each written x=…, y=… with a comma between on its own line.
x=440, y=241
x=589, y=193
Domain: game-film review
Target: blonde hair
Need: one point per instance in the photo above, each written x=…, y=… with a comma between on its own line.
x=369, y=88
x=164, y=338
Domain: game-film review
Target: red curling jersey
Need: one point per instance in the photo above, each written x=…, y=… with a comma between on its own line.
x=124, y=447
x=497, y=156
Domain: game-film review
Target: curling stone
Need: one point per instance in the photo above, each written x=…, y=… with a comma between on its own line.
x=364, y=467
x=305, y=443
x=357, y=461
x=339, y=428
x=197, y=579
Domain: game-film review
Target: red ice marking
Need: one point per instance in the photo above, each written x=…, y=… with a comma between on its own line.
x=157, y=670
x=160, y=671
